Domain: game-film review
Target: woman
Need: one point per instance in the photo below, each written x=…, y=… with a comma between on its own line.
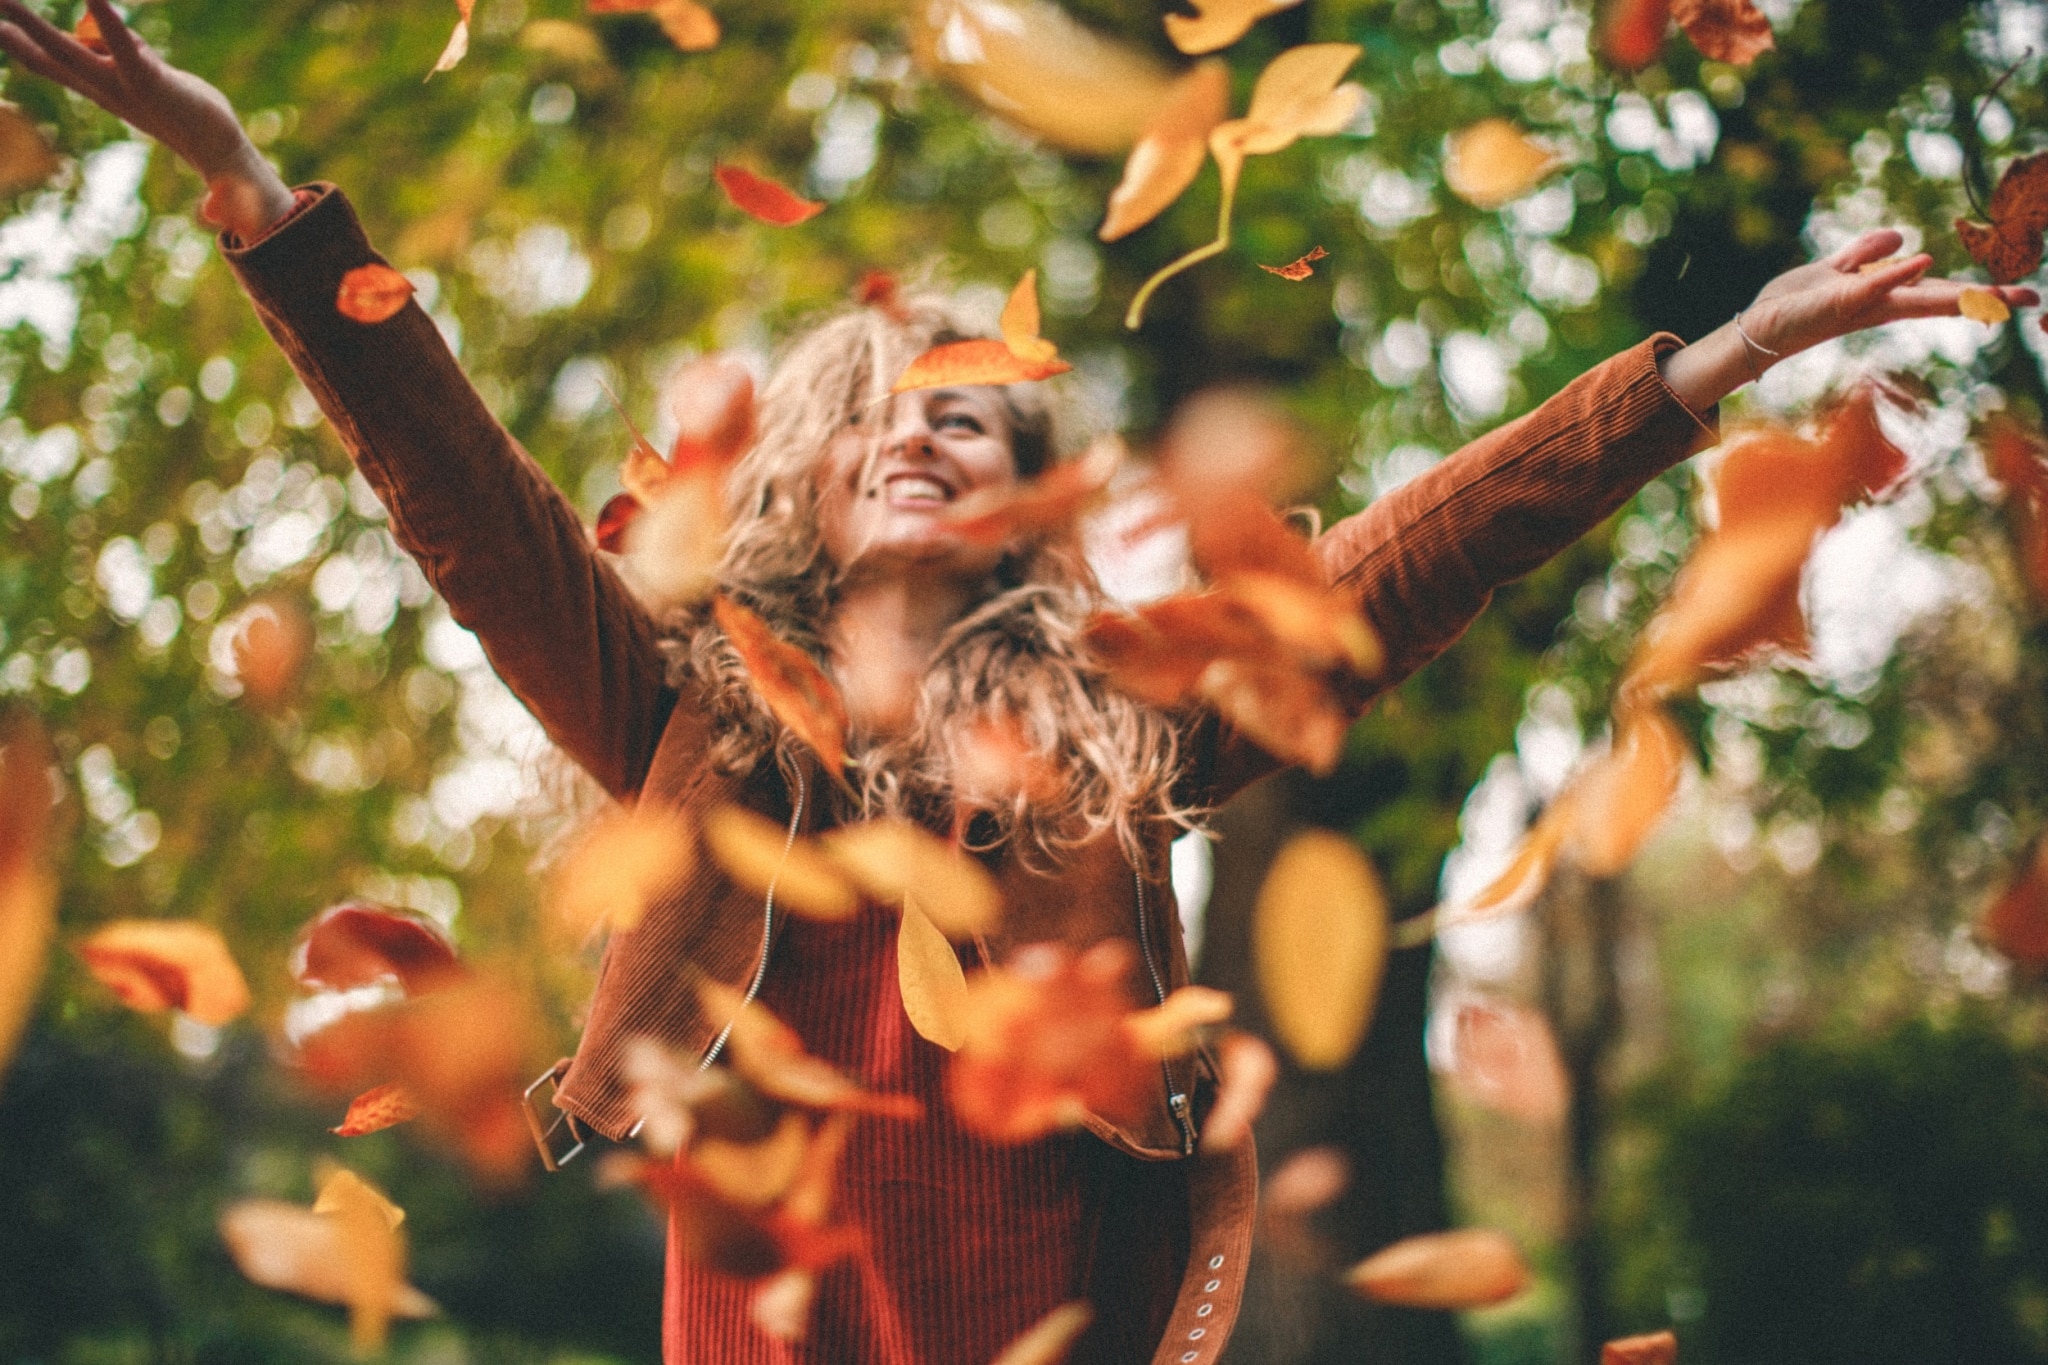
x=840, y=541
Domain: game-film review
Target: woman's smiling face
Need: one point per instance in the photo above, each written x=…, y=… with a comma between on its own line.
x=891, y=473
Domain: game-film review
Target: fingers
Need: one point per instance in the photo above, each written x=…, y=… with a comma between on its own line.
x=1874, y=245
x=119, y=38
x=61, y=50
x=24, y=50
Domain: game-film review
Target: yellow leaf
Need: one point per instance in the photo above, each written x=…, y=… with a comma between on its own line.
x=1983, y=306
x=1320, y=943
x=891, y=858
x=1169, y=1028
x=1621, y=798
x=1219, y=23
x=1049, y=1341
x=291, y=1248
x=754, y=1174
x=371, y=1250
x=1170, y=154
x=623, y=862
x=759, y=855
x=1493, y=163
x=28, y=893
x=1020, y=322
x=929, y=975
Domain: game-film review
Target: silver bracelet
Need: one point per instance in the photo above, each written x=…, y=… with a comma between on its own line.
x=1751, y=347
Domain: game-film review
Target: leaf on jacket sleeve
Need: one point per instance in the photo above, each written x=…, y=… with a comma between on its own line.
x=1732, y=31
x=28, y=889
x=1632, y=32
x=1169, y=155
x=758, y=854
x=623, y=862
x=930, y=978
x=2010, y=249
x=372, y=293
x=358, y=943
x=1020, y=357
x=155, y=965
x=788, y=681
x=1468, y=1268
x=890, y=858
x=1493, y=163
x=378, y=1108
x=1248, y=1069
x=458, y=42
x=1652, y=1348
x=1319, y=943
x=1505, y=1057
x=1299, y=269
x=1219, y=23
x=763, y=199
x=1051, y=1338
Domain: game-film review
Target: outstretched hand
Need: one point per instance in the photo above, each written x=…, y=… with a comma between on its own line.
x=1818, y=302
x=175, y=107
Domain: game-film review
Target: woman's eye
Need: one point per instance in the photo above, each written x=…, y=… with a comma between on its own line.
x=961, y=421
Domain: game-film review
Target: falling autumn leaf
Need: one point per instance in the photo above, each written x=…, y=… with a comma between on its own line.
x=1022, y=355
x=87, y=32
x=626, y=860
x=2016, y=923
x=690, y=26
x=1623, y=797
x=28, y=890
x=613, y=519
x=1307, y=1181
x=1048, y=1342
x=372, y=1253
x=1227, y=446
x=320, y=1256
x=711, y=400
x=2010, y=249
x=156, y=965
x=1981, y=305
x=995, y=763
x=1493, y=163
x=754, y=1173
x=26, y=158
x=1291, y=715
x=1469, y=1268
x=929, y=975
x=1169, y=155
x=1040, y=506
x=764, y=199
x=1219, y=23
x=1732, y=31
x=269, y=641
x=356, y=944
x=781, y=1304
x=891, y=858
x=1525, y=876
x=1299, y=269
x=1652, y=1348
x=372, y=293
x=788, y=681
x=2017, y=457
x=1506, y=1058
x=458, y=41
x=1248, y=1069
x=1319, y=941
x=670, y=545
x=761, y=856
x=769, y=1055
x=376, y=1109
x=1632, y=31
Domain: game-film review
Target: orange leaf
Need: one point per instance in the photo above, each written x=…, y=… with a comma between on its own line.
x=1299, y=269
x=28, y=891
x=1652, y=1348
x=1318, y=628
x=87, y=32
x=347, y=1250
x=764, y=199
x=1289, y=714
x=2018, y=458
x=26, y=157
x=754, y=1174
x=1170, y=154
x=708, y=1228
x=1228, y=446
x=712, y=402
x=1050, y=502
x=1048, y=1342
x=621, y=865
x=1172, y=1028
x=377, y=1109
x=1319, y=941
x=788, y=681
x=372, y=293
x=1248, y=1069
x=880, y=289
x=270, y=640
x=930, y=979
x=154, y=965
x=1507, y=1060
x=358, y=944
x=1219, y=23
x=1310, y=1179
x=1623, y=797
x=1020, y=357
x=758, y=854
x=2016, y=923
x=1517, y=887
x=1144, y=660
x=890, y=858
x=1632, y=32
x=768, y=1054
x=1019, y=323
x=1732, y=31
x=1493, y=163
x=690, y=26
x=1249, y=537
x=2010, y=249
x=995, y=763
x=673, y=545
x=1469, y=1268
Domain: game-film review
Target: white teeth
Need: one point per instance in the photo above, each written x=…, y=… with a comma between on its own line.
x=915, y=488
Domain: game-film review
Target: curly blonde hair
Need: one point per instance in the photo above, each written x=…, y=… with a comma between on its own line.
x=1017, y=655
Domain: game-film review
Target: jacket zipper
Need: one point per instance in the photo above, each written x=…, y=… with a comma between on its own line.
x=796, y=817
x=1176, y=1100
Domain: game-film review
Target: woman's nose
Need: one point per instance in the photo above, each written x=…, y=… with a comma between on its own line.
x=909, y=433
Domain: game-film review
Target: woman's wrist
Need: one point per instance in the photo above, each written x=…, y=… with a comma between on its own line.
x=1708, y=370
x=246, y=196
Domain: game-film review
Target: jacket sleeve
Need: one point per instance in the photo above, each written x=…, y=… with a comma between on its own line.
x=1423, y=561
x=495, y=537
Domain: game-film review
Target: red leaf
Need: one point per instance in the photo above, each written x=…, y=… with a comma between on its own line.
x=1652, y=1348
x=377, y=1109
x=358, y=944
x=2010, y=249
x=1299, y=269
x=154, y=965
x=789, y=682
x=2016, y=924
x=1732, y=31
x=880, y=289
x=617, y=514
x=981, y=361
x=764, y=199
x=1632, y=32
x=372, y=293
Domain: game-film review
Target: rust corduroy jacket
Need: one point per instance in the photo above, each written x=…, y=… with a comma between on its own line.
x=516, y=565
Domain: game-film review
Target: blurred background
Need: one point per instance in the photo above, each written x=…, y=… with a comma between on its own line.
x=1767, y=1087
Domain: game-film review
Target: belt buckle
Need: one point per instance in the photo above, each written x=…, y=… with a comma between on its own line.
x=545, y=1130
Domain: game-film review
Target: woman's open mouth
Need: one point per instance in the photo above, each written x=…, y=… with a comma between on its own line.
x=917, y=490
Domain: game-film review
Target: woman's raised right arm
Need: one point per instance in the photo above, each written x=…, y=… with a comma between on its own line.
x=494, y=535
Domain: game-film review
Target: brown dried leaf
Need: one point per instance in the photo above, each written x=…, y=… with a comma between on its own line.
x=769, y=1055
x=376, y=1109
x=1299, y=269
x=2016, y=923
x=1632, y=32
x=1732, y=31
x=1469, y=1268
x=763, y=199
x=757, y=1174
x=1981, y=305
x=623, y=863
x=371, y=1250
x=1020, y=357
x=26, y=158
x=1319, y=940
x=2010, y=249
x=929, y=975
x=154, y=965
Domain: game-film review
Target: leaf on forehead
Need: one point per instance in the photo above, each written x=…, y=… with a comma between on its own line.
x=1493, y=163
x=335, y=1256
x=1623, y=796
x=1981, y=305
x=959, y=364
x=890, y=858
x=154, y=965
x=26, y=157
x=458, y=41
x=754, y=1174
x=1506, y=1059
x=1169, y=155
x=751, y=849
x=1219, y=23
x=376, y=1109
x=788, y=681
x=2016, y=922
x=1049, y=1340
x=1469, y=1268
x=1299, y=269
x=1652, y=1348
x=87, y=32
x=28, y=890
x=1632, y=32
x=2010, y=249
x=1290, y=714
x=1248, y=1069
x=623, y=862
x=1732, y=31
x=1319, y=942
x=711, y=400
x=358, y=944
x=270, y=640
x=613, y=520
x=1050, y=502
x=1172, y=1028
x=764, y=199
x=930, y=979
